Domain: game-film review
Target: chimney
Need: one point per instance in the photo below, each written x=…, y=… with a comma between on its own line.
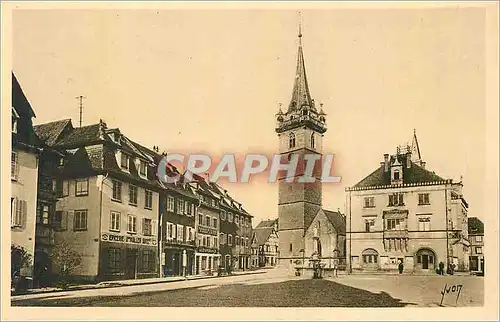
x=408, y=160
x=422, y=163
x=386, y=162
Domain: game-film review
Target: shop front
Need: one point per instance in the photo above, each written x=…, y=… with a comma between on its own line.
x=206, y=261
x=127, y=257
x=178, y=261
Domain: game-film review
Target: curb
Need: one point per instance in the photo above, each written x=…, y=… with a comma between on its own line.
x=95, y=287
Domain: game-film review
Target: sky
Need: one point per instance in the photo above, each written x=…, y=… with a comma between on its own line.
x=211, y=81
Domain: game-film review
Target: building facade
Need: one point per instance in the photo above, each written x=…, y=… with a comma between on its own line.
x=403, y=212
x=178, y=205
x=300, y=131
x=265, y=244
x=476, y=239
x=207, y=227
x=49, y=169
x=107, y=209
x=24, y=183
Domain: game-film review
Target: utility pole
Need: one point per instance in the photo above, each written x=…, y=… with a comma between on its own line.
x=80, y=106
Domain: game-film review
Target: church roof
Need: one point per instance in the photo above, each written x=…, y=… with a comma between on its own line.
x=337, y=220
x=300, y=94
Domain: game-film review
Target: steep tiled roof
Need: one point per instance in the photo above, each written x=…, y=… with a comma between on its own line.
x=337, y=220
x=25, y=135
x=414, y=174
x=262, y=235
x=19, y=100
x=80, y=136
x=266, y=223
x=50, y=132
x=476, y=226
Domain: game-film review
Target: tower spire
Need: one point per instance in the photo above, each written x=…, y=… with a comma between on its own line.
x=300, y=94
x=415, y=149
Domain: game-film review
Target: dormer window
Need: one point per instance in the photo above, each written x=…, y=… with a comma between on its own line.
x=124, y=161
x=396, y=175
x=116, y=137
x=142, y=168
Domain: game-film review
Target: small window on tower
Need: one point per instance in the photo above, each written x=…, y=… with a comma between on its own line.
x=292, y=140
x=313, y=143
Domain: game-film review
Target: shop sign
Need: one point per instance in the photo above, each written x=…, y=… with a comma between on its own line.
x=116, y=238
x=202, y=249
x=207, y=230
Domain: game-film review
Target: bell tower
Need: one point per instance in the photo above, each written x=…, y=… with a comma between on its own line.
x=300, y=132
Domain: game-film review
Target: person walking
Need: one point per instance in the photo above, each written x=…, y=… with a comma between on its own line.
x=441, y=268
x=400, y=267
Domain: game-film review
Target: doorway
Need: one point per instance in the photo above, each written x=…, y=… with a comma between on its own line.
x=426, y=259
x=131, y=264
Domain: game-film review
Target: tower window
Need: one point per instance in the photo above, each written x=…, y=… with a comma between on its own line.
x=313, y=143
x=292, y=140
x=291, y=248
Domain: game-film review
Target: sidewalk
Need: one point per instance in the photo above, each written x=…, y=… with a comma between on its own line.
x=121, y=283
x=355, y=272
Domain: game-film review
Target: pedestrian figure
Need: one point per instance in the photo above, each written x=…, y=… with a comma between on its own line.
x=400, y=267
x=441, y=268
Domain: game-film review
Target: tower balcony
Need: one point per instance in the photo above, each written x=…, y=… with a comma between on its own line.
x=303, y=120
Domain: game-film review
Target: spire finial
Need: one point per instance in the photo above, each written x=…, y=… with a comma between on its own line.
x=414, y=131
x=300, y=28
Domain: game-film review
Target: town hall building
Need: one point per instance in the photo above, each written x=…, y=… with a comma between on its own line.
x=403, y=212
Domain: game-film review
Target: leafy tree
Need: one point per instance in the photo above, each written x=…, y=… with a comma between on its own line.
x=67, y=259
x=19, y=258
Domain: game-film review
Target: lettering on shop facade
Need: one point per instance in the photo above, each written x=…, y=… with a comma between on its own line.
x=202, y=249
x=128, y=239
x=208, y=231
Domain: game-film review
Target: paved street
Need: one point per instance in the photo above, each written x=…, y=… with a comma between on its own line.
x=272, y=290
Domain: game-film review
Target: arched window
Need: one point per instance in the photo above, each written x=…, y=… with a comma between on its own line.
x=292, y=140
x=313, y=142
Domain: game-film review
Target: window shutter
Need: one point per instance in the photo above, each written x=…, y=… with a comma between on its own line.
x=110, y=226
x=174, y=231
x=144, y=226
x=13, y=214
x=24, y=213
x=154, y=224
